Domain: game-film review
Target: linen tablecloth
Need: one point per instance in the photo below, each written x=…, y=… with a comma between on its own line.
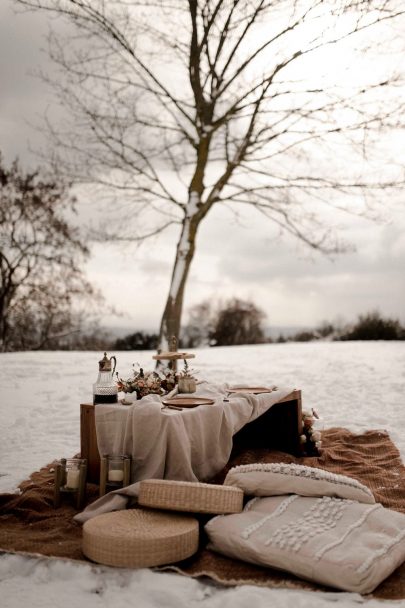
x=189, y=445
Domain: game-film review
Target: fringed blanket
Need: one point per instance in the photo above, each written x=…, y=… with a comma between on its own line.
x=29, y=523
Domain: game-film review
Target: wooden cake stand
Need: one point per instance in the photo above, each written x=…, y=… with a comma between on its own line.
x=173, y=355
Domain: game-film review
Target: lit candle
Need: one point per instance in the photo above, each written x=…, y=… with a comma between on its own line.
x=72, y=479
x=115, y=475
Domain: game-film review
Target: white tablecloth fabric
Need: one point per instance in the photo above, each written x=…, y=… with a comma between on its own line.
x=190, y=445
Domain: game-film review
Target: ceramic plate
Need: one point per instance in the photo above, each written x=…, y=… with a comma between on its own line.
x=188, y=401
x=254, y=390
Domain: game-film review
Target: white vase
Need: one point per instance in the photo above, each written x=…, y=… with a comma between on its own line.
x=187, y=385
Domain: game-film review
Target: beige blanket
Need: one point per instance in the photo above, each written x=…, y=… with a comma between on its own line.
x=190, y=445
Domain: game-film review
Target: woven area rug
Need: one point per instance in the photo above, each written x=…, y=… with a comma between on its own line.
x=30, y=524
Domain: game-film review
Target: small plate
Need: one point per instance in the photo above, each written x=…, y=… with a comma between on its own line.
x=253, y=390
x=188, y=401
x=126, y=402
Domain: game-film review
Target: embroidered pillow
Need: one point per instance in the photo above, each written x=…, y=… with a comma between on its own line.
x=275, y=479
x=341, y=543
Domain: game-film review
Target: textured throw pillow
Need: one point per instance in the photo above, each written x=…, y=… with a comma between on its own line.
x=341, y=543
x=278, y=478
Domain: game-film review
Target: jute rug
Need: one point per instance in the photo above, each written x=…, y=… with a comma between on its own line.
x=30, y=524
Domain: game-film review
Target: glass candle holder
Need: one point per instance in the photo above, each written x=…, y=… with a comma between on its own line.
x=70, y=477
x=115, y=470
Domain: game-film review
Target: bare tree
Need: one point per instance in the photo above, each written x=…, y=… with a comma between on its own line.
x=40, y=253
x=238, y=322
x=200, y=325
x=178, y=106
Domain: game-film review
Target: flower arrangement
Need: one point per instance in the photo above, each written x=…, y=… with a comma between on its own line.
x=311, y=439
x=168, y=379
x=142, y=383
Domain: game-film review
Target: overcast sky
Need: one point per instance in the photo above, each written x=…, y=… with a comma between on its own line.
x=243, y=258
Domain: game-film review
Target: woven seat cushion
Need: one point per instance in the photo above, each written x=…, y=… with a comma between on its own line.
x=188, y=496
x=140, y=538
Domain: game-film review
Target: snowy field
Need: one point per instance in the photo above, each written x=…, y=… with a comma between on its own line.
x=357, y=385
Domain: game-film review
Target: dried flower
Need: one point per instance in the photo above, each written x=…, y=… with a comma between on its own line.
x=310, y=440
x=186, y=372
x=308, y=421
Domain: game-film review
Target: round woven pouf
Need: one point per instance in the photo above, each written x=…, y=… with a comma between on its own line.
x=139, y=538
x=190, y=496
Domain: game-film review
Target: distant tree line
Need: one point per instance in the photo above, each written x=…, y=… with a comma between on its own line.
x=137, y=341
x=210, y=324
x=237, y=322
x=370, y=326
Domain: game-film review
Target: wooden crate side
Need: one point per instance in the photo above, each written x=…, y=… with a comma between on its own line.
x=88, y=442
x=279, y=428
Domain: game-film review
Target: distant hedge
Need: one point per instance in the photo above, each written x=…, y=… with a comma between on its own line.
x=372, y=326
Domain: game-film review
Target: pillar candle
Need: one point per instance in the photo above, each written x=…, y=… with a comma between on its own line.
x=115, y=475
x=72, y=479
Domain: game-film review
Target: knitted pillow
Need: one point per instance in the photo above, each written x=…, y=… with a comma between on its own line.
x=276, y=479
x=341, y=543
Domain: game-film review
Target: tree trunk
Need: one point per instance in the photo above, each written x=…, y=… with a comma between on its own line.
x=4, y=316
x=171, y=319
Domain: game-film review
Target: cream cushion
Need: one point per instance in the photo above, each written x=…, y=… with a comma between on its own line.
x=193, y=497
x=278, y=478
x=140, y=538
x=337, y=542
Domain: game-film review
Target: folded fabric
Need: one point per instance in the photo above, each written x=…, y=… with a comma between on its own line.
x=113, y=501
x=275, y=479
x=337, y=542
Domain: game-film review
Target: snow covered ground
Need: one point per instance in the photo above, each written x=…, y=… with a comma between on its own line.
x=357, y=385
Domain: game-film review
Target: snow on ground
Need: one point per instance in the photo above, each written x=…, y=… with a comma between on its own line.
x=357, y=385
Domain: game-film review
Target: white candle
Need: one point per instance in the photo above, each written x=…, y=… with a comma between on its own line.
x=115, y=475
x=72, y=479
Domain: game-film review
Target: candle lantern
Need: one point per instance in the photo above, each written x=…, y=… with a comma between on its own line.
x=70, y=478
x=105, y=388
x=115, y=471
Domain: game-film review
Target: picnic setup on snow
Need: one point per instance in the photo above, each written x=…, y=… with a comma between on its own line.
x=235, y=482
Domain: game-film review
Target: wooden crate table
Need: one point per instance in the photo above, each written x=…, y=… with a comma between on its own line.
x=279, y=427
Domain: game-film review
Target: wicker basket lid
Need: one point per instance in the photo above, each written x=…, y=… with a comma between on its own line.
x=192, y=497
x=139, y=538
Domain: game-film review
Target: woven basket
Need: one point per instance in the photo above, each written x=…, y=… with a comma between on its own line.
x=188, y=496
x=139, y=538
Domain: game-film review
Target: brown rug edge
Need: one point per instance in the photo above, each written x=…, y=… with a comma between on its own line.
x=239, y=583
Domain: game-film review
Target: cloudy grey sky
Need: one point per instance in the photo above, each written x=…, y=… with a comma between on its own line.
x=235, y=257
